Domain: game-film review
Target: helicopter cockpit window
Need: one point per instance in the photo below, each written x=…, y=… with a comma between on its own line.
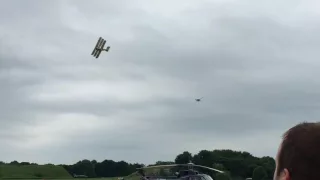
x=207, y=177
x=184, y=178
x=203, y=178
x=184, y=173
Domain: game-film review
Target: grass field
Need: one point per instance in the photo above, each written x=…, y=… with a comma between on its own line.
x=33, y=172
x=67, y=179
x=43, y=172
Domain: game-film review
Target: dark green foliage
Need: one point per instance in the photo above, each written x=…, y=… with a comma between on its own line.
x=222, y=176
x=17, y=171
x=24, y=163
x=183, y=158
x=38, y=175
x=14, y=163
x=219, y=166
x=238, y=165
x=259, y=174
x=84, y=167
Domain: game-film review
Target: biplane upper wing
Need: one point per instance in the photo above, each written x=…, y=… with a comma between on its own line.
x=97, y=45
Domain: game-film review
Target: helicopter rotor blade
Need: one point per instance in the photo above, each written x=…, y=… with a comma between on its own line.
x=177, y=165
x=217, y=170
x=159, y=166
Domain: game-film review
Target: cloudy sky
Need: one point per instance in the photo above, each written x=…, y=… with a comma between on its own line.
x=256, y=63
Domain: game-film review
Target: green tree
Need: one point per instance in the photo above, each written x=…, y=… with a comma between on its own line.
x=223, y=176
x=269, y=164
x=183, y=158
x=84, y=167
x=206, y=158
x=14, y=163
x=238, y=164
x=1, y=171
x=259, y=173
x=218, y=166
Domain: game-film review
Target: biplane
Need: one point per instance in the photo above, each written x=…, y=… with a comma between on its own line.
x=99, y=47
x=182, y=174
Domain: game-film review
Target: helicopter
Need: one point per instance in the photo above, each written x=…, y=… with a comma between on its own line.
x=99, y=47
x=189, y=174
x=198, y=99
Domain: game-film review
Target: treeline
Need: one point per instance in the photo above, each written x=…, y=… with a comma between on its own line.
x=92, y=169
x=106, y=168
x=239, y=165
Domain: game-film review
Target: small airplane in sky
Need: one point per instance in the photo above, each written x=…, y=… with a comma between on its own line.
x=99, y=47
x=199, y=99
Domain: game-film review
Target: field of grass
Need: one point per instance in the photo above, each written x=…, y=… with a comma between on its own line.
x=67, y=179
x=43, y=172
x=33, y=172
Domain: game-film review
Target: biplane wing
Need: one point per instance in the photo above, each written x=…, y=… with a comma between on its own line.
x=101, y=48
x=96, y=47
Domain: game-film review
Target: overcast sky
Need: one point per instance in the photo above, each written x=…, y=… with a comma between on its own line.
x=256, y=63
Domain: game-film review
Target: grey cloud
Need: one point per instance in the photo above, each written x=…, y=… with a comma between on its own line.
x=257, y=74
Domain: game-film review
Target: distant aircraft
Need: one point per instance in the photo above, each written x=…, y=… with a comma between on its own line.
x=99, y=47
x=199, y=99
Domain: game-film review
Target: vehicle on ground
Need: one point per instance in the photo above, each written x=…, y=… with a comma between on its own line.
x=175, y=172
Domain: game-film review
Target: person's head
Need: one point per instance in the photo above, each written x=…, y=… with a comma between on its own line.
x=299, y=153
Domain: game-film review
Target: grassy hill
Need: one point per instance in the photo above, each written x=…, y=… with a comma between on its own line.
x=33, y=172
